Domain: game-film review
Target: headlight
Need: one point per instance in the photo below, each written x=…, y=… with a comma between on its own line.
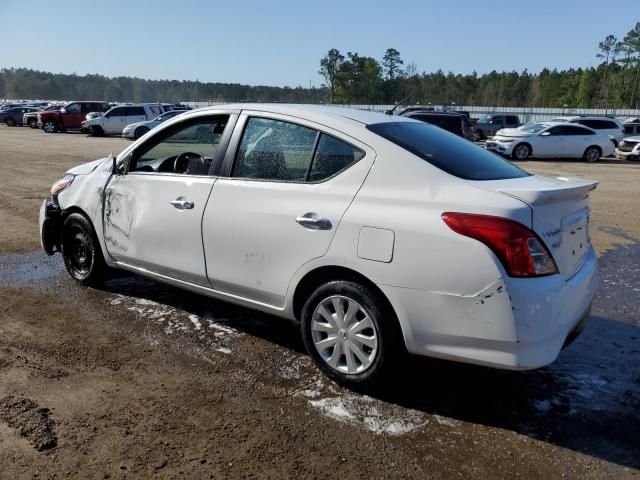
x=622, y=144
x=61, y=184
x=505, y=141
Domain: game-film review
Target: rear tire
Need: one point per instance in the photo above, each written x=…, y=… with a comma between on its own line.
x=522, y=151
x=81, y=251
x=33, y=123
x=350, y=334
x=50, y=126
x=140, y=131
x=592, y=154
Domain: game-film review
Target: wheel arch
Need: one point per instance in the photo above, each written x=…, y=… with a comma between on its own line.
x=316, y=277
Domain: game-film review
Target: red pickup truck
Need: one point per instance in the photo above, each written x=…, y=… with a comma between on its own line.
x=69, y=117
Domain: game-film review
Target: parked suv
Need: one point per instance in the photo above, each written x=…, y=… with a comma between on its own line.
x=114, y=120
x=69, y=117
x=601, y=124
x=488, y=125
x=631, y=127
x=453, y=122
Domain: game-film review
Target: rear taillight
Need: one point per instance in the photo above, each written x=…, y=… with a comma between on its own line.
x=520, y=250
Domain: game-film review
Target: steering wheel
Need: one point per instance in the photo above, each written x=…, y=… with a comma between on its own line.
x=181, y=163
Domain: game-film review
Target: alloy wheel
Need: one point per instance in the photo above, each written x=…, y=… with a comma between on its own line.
x=522, y=152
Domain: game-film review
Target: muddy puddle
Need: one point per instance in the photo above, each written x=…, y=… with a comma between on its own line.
x=587, y=401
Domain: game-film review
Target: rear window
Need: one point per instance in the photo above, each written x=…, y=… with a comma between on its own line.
x=447, y=151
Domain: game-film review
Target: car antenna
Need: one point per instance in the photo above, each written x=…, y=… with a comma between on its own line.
x=390, y=112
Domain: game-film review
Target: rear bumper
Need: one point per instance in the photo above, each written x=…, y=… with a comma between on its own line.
x=50, y=227
x=516, y=324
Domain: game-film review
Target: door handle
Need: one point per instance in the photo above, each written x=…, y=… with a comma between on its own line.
x=313, y=221
x=182, y=203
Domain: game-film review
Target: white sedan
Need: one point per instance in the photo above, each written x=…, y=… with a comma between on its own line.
x=378, y=234
x=138, y=129
x=552, y=140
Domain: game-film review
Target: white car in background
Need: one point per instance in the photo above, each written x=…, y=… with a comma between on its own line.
x=601, y=124
x=115, y=119
x=551, y=140
x=138, y=129
x=379, y=234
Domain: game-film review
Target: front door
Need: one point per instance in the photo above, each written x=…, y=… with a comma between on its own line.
x=554, y=143
x=153, y=213
x=114, y=120
x=72, y=117
x=289, y=186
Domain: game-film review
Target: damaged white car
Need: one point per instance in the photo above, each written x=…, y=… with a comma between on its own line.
x=381, y=235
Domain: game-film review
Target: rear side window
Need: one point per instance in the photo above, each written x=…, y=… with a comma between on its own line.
x=599, y=124
x=569, y=130
x=448, y=152
x=332, y=156
x=512, y=120
x=134, y=111
x=275, y=150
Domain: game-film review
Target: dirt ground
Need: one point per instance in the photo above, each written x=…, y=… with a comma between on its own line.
x=140, y=380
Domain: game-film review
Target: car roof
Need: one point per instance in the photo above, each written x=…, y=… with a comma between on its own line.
x=319, y=113
x=431, y=112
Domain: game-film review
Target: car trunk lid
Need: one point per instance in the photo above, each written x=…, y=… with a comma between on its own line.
x=559, y=214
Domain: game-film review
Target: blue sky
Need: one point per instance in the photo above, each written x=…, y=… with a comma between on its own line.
x=281, y=42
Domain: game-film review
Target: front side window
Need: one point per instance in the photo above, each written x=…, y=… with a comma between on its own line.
x=134, y=111
x=512, y=120
x=274, y=150
x=73, y=108
x=446, y=151
x=115, y=112
x=187, y=148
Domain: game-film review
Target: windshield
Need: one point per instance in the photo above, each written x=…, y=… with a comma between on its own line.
x=533, y=127
x=448, y=152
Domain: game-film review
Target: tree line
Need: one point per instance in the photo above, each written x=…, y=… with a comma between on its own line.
x=354, y=79
x=614, y=83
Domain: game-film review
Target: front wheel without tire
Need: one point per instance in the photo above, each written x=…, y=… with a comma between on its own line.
x=592, y=154
x=350, y=334
x=81, y=251
x=521, y=152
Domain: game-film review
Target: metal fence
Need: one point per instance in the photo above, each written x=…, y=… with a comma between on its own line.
x=526, y=114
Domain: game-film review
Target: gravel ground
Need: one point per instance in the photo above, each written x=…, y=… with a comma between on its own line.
x=140, y=380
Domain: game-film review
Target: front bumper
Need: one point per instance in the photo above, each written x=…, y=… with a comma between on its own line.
x=499, y=147
x=50, y=227
x=127, y=133
x=632, y=155
x=515, y=323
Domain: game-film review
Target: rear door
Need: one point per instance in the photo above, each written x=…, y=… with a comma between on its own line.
x=290, y=183
x=579, y=138
x=134, y=115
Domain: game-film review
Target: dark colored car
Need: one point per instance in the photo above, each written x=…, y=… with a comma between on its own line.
x=69, y=117
x=13, y=116
x=453, y=122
